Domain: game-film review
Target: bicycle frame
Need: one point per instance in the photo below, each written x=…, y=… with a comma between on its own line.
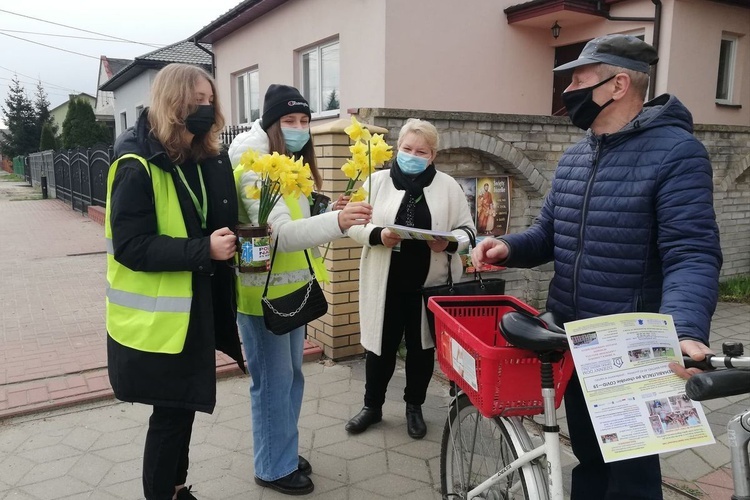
x=723, y=383
x=738, y=430
x=549, y=448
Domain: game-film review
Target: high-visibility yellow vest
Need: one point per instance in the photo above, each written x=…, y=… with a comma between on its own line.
x=290, y=270
x=149, y=311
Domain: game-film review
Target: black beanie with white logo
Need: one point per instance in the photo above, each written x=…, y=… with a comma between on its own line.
x=282, y=100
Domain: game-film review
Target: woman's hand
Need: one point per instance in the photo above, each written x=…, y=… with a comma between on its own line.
x=355, y=213
x=389, y=238
x=341, y=202
x=437, y=245
x=223, y=244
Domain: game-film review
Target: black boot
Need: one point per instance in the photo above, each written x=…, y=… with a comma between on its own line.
x=304, y=466
x=415, y=425
x=295, y=483
x=364, y=419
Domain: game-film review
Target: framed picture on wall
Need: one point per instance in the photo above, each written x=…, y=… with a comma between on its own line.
x=492, y=206
x=489, y=203
x=469, y=187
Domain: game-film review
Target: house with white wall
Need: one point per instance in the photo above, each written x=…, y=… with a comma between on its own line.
x=59, y=112
x=481, y=71
x=492, y=56
x=105, y=101
x=130, y=87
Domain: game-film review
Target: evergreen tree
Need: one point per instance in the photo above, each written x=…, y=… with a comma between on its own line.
x=43, y=115
x=333, y=101
x=48, y=140
x=21, y=138
x=80, y=128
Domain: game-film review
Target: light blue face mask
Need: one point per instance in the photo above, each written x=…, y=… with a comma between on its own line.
x=410, y=164
x=295, y=138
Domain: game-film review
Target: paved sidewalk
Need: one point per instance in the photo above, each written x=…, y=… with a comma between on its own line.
x=52, y=354
x=52, y=333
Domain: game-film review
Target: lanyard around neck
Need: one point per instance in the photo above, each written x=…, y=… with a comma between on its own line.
x=202, y=208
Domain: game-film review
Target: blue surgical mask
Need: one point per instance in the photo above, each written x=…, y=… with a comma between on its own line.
x=410, y=164
x=295, y=138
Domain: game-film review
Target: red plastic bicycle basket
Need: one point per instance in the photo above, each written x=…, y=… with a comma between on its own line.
x=499, y=379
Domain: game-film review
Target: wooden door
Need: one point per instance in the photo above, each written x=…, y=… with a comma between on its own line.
x=563, y=54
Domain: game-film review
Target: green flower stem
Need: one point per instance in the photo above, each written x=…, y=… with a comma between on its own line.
x=369, y=168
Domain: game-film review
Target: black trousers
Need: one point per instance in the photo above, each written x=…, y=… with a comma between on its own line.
x=165, y=458
x=593, y=479
x=403, y=318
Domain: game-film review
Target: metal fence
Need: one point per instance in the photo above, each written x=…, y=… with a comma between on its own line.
x=42, y=165
x=18, y=165
x=232, y=131
x=76, y=176
x=79, y=176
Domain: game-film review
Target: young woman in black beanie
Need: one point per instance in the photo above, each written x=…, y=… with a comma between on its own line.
x=275, y=361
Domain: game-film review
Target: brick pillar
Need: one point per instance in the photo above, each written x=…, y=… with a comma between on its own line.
x=337, y=333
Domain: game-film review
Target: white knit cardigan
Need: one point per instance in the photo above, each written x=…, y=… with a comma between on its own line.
x=448, y=210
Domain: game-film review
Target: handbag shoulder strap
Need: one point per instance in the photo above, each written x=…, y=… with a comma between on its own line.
x=273, y=258
x=472, y=244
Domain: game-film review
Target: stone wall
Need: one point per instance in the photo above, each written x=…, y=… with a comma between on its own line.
x=527, y=149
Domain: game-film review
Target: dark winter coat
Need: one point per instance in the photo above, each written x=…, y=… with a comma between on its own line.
x=630, y=225
x=187, y=379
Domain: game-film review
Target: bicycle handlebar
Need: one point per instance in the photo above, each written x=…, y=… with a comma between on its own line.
x=712, y=385
x=718, y=384
x=716, y=361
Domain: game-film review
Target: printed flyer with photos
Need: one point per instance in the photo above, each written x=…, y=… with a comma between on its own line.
x=637, y=405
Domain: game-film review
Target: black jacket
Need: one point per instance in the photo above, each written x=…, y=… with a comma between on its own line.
x=187, y=379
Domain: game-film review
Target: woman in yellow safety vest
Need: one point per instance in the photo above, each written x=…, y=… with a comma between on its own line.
x=171, y=204
x=275, y=361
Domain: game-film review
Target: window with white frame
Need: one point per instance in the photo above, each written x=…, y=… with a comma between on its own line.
x=725, y=80
x=123, y=120
x=138, y=111
x=320, y=78
x=248, y=97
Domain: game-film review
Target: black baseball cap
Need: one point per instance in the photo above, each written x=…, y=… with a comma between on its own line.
x=625, y=51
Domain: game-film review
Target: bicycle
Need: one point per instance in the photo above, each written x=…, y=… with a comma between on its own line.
x=486, y=451
x=732, y=378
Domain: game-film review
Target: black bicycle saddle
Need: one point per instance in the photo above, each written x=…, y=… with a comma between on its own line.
x=532, y=332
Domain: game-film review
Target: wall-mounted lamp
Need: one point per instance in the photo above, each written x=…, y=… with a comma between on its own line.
x=555, y=30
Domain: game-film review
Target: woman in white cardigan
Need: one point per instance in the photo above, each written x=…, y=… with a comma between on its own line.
x=392, y=272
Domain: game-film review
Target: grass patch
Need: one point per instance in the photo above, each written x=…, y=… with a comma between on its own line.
x=735, y=289
x=12, y=178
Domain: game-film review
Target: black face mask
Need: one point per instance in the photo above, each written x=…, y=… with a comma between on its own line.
x=581, y=107
x=200, y=122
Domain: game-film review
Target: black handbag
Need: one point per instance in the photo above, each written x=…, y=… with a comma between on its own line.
x=477, y=286
x=283, y=314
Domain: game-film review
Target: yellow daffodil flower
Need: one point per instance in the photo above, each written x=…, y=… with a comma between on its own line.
x=358, y=148
x=357, y=132
x=359, y=195
x=278, y=176
x=350, y=170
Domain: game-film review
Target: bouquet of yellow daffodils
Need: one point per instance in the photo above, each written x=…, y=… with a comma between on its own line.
x=278, y=176
x=368, y=152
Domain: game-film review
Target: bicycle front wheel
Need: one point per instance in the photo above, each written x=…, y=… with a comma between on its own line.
x=474, y=448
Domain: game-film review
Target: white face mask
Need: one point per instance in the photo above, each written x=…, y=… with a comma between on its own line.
x=410, y=164
x=295, y=138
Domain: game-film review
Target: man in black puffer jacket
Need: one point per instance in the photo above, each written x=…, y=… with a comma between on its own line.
x=630, y=225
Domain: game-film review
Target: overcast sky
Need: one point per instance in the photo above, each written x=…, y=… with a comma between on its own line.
x=157, y=22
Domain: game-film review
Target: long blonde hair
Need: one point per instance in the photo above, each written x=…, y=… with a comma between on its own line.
x=172, y=100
